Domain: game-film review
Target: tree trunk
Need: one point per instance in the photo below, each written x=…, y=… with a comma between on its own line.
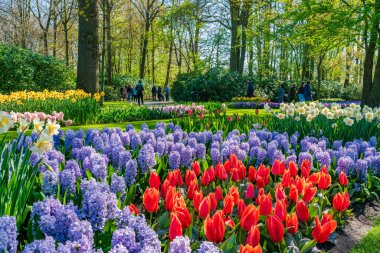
x=144, y=48
x=169, y=63
x=55, y=35
x=108, y=10
x=88, y=51
x=65, y=29
x=45, y=37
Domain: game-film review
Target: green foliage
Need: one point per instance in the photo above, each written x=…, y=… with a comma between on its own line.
x=22, y=69
x=337, y=90
x=370, y=242
x=216, y=84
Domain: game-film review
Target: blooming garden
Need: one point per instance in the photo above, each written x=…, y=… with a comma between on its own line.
x=206, y=181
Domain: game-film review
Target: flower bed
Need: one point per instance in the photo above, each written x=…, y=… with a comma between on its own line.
x=100, y=186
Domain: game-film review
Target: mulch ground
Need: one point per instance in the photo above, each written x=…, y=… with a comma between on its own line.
x=355, y=229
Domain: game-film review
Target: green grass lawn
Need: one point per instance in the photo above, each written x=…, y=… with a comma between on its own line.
x=370, y=243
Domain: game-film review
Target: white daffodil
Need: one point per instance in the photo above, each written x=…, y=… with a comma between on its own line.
x=369, y=116
x=281, y=115
x=51, y=128
x=359, y=116
x=24, y=125
x=38, y=125
x=348, y=121
x=42, y=145
x=6, y=122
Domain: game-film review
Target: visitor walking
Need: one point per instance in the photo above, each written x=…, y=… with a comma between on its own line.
x=129, y=92
x=292, y=92
x=134, y=94
x=159, y=93
x=300, y=93
x=167, y=90
x=307, y=92
x=250, y=90
x=122, y=93
x=140, y=94
x=281, y=93
x=154, y=92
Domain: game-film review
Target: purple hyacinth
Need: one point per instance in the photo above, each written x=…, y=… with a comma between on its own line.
x=180, y=245
x=187, y=155
x=46, y=245
x=304, y=156
x=215, y=156
x=8, y=234
x=345, y=164
x=49, y=183
x=126, y=237
x=130, y=172
x=373, y=141
x=117, y=184
x=77, y=143
x=174, y=160
x=81, y=229
x=119, y=249
x=361, y=167
x=98, y=204
x=146, y=159
x=208, y=247
x=323, y=157
x=201, y=151
x=97, y=165
x=160, y=148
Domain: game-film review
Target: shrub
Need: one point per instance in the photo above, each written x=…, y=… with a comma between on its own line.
x=216, y=84
x=22, y=69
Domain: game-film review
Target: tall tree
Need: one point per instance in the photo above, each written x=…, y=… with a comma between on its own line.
x=88, y=50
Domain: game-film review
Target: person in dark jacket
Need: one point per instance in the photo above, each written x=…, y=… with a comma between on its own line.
x=307, y=92
x=167, y=90
x=300, y=93
x=281, y=93
x=292, y=92
x=129, y=91
x=140, y=94
x=159, y=93
x=154, y=92
x=250, y=89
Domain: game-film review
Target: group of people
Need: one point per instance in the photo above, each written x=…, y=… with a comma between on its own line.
x=136, y=93
x=303, y=93
x=157, y=93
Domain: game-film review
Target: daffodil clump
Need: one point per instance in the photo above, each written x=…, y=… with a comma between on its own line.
x=336, y=120
x=78, y=105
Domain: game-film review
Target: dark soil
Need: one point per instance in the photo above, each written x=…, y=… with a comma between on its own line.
x=355, y=229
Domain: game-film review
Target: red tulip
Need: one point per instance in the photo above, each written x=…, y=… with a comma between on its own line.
x=214, y=227
x=292, y=223
x=235, y=174
x=175, y=228
x=211, y=173
x=205, y=180
x=250, y=193
x=218, y=193
x=341, y=201
x=250, y=249
x=326, y=218
x=204, y=208
x=170, y=198
x=229, y=118
x=343, y=180
x=280, y=193
x=265, y=202
x=293, y=169
x=154, y=180
x=322, y=232
x=275, y=228
x=201, y=115
x=197, y=199
x=229, y=222
x=242, y=171
x=250, y=217
x=252, y=174
x=280, y=209
x=183, y=215
x=305, y=168
x=262, y=176
x=313, y=178
x=133, y=209
x=293, y=193
x=309, y=193
x=189, y=177
x=300, y=183
x=213, y=200
x=253, y=237
x=178, y=176
x=172, y=178
x=302, y=211
x=241, y=207
x=192, y=188
x=150, y=200
x=235, y=193
x=286, y=180
x=324, y=180
x=196, y=168
x=164, y=188
x=228, y=204
x=220, y=172
x=278, y=167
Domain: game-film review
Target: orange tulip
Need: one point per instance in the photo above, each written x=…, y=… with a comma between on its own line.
x=198, y=198
x=343, y=180
x=228, y=204
x=293, y=168
x=214, y=227
x=170, y=198
x=253, y=237
x=324, y=179
x=292, y=223
x=293, y=193
x=322, y=232
x=192, y=188
x=204, y=207
x=164, y=188
x=150, y=200
x=154, y=180
x=190, y=176
x=309, y=193
x=341, y=201
x=302, y=211
x=249, y=249
x=175, y=228
x=275, y=228
x=250, y=217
